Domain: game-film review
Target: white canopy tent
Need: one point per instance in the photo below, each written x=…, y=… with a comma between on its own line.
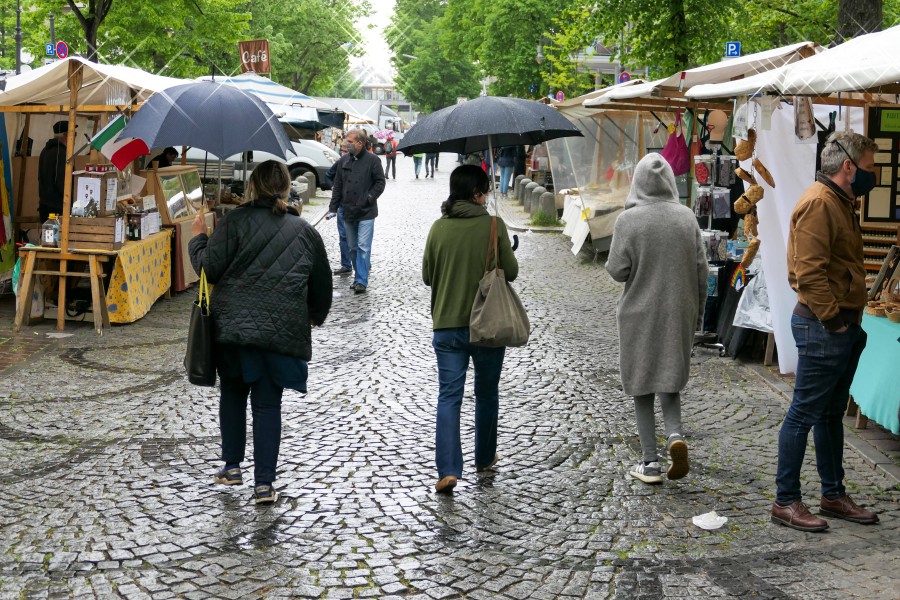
x=721, y=71
x=101, y=85
x=868, y=63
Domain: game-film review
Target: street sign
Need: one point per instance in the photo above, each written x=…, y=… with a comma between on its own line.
x=49, y=61
x=624, y=76
x=732, y=49
x=560, y=96
x=62, y=49
x=49, y=50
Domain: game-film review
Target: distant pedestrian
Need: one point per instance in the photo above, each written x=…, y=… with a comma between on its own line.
x=454, y=262
x=358, y=182
x=657, y=251
x=506, y=162
x=390, y=155
x=346, y=256
x=826, y=269
x=417, y=163
x=430, y=158
x=271, y=283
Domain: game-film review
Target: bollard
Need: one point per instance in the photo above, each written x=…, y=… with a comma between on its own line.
x=547, y=204
x=534, y=201
x=515, y=188
x=520, y=193
x=526, y=195
x=304, y=191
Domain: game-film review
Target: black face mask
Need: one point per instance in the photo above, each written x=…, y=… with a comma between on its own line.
x=863, y=181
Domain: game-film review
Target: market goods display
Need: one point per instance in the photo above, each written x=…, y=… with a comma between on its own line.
x=745, y=176
x=750, y=254
x=876, y=309
x=755, y=193
x=742, y=205
x=751, y=225
x=744, y=149
x=763, y=172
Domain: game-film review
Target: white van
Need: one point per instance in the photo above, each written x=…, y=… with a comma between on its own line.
x=312, y=160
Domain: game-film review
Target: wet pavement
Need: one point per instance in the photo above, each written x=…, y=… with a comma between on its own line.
x=107, y=453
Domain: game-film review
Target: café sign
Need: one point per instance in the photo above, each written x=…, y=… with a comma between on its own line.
x=254, y=56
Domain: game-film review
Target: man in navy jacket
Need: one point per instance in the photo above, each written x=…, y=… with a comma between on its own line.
x=358, y=182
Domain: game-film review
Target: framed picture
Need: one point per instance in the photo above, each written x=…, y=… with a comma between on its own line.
x=890, y=269
x=174, y=196
x=193, y=189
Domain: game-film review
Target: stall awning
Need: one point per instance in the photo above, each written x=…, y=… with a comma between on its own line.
x=866, y=63
x=101, y=85
x=722, y=71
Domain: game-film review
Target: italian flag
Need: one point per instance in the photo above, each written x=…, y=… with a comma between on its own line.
x=121, y=152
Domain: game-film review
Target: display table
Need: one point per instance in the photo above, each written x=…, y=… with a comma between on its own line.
x=142, y=273
x=876, y=386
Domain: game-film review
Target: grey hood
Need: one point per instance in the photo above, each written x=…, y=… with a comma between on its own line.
x=653, y=182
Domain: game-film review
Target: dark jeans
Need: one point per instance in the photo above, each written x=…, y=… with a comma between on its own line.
x=390, y=166
x=430, y=162
x=453, y=350
x=825, y=369
x=347, y=257
x=265, y=403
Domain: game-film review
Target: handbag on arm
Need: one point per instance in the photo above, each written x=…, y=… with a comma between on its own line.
x=198, y=359
x=498, y=318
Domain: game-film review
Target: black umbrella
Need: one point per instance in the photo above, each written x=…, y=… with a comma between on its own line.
x=215, y=117
x=486, y=122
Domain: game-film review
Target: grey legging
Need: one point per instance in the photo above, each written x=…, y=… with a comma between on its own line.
x=646, y=420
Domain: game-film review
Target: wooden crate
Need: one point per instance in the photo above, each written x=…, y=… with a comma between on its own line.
x=95, y=233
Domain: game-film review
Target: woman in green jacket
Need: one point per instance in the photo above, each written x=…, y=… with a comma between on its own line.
x=454, y=260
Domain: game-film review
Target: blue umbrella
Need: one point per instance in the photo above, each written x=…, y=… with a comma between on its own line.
x=209, y=115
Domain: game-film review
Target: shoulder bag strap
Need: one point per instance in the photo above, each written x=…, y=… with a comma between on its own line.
x=203, y=291
x=492, y=244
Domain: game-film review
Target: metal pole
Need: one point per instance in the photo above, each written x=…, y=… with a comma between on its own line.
x=18, y=37
x=53, y=30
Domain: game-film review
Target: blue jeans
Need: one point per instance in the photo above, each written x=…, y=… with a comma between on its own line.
x=505, y=175
x=453, y=350
x=417, y=162
x=346, y=257
x=265, y=403
x=359, y=238
x=825, y=369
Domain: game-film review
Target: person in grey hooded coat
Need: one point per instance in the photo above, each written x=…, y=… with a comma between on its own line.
x=657, y=250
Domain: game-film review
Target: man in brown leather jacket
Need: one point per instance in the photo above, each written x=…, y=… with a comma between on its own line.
x=825, y=268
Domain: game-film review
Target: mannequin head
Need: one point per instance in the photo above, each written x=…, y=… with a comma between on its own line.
x=716, y=123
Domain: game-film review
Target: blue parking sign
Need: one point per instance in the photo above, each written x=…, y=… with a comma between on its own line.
x=732, y=49
x=49, y=50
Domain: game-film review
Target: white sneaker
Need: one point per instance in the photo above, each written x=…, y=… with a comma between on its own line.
x=678, y=457
x=647, y=473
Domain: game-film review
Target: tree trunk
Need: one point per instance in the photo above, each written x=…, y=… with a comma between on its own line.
x=858, y=17
x=90, y=36
x=679, y=30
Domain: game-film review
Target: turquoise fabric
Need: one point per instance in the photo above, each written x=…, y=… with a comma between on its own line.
x=876, y=387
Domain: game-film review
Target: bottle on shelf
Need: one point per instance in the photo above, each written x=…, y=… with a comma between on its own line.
x=50, y=232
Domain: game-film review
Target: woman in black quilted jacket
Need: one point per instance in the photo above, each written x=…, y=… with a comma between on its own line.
x=271, y=283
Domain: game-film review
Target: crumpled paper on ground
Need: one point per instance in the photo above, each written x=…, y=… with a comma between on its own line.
x=710, y=520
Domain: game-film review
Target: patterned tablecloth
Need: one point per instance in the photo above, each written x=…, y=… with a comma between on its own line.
x=876, y=386
x=142, y=273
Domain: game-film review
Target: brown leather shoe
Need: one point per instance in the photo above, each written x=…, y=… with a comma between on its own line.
x=445, y=485
x=845, y=508
x=796, y=516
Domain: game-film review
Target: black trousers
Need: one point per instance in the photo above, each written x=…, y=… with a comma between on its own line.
x=265, y=403
x=391, y=166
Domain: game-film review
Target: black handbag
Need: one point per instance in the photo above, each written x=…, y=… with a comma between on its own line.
x=198, y=359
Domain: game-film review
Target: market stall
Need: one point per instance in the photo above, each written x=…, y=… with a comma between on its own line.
x=852, y=86
x=86, y=93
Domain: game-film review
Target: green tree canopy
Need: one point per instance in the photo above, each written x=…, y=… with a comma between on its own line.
x=426, y=75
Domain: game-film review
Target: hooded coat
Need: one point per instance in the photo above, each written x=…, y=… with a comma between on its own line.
x=657, y=250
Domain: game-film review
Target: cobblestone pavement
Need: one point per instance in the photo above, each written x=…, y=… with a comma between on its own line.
x=107, y=453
